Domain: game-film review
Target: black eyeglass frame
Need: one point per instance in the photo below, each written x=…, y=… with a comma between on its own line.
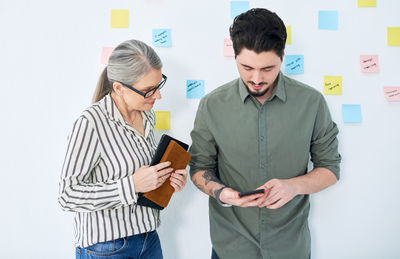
x=150, y=92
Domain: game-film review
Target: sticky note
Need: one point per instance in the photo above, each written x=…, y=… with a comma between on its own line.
x=289, y=34
x=392, y=93
x=333, y=85
x=194, y=89
x=105, y=54
x=351, y=113
x=162, y=38
x=393, y=36
x=119, y=18
x=369, y=63
x=162, y=120
x=238, y=7
x=328, y=20
x=366, y=3
x=294, y=64
x=228, y=48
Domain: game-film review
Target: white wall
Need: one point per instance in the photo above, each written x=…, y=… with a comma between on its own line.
x=50, y=62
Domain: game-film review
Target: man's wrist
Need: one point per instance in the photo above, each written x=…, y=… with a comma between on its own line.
x=217, y=197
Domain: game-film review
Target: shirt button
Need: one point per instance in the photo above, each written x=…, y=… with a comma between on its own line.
x=262, y=221
x=262, y=138
x=262, y=166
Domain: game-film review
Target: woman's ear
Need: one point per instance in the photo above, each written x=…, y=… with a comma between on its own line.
x=118, y=89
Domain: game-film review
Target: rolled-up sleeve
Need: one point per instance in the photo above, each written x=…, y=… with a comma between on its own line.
x=324, y=144
x=204, y=150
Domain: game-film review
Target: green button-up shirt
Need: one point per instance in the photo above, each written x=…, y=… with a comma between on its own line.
x=247, y=144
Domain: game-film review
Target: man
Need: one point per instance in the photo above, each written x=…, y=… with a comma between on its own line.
x=258, y=132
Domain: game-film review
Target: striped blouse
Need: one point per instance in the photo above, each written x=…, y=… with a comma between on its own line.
x=96, y=180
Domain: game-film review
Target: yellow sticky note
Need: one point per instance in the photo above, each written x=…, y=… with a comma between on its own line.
x=366, y=3
x=119, y=18
x=289, y=34
x=393, y=36
x=162, y=120
x=333, y=85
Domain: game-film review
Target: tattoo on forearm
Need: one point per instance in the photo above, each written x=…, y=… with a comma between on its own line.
x=210, y=177
x=197, y=184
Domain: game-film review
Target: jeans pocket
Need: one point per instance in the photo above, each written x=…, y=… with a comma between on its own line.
x=107, y=248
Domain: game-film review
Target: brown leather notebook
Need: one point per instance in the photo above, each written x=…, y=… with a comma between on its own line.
x=179, y=159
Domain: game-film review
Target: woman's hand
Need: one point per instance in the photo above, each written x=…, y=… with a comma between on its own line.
x=148, y=178
x=178, y=179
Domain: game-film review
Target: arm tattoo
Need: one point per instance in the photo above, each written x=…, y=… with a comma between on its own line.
x=210, y=177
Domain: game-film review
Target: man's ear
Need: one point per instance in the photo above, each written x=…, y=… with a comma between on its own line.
x=118, y=88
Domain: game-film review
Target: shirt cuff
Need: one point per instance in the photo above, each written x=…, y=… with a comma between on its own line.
x=126, y=190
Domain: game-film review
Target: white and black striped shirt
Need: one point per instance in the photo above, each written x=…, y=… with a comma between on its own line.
x=96, y=181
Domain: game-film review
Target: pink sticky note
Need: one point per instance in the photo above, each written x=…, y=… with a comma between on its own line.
x=105, y=54
x=392, y=93
x=228, y=48
x=369, y=63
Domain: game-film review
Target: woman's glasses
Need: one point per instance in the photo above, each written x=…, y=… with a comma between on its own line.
x=150, y=92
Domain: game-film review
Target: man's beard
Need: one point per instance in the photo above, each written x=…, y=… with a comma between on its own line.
x=257, y=94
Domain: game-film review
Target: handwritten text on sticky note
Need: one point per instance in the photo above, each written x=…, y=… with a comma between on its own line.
x=369, y=63
x=194, y=89
x=294, y=64
x=328, y=20
x=392, y=93
x=333, y=85
x=162, y=38
x=162, y=120
x=351, y=113
x=228, y=48
x=119, y=18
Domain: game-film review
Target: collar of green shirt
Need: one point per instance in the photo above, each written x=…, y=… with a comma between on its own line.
x=279, y=90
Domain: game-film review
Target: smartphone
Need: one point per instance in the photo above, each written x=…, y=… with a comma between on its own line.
x=242, y=194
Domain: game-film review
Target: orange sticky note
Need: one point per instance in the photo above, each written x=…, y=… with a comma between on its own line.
x=105, y=54
x=392, y=93
x=228, y=48
x=119, y=18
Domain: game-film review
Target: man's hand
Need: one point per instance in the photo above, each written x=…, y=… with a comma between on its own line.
x=230, y=196
x=277, y=193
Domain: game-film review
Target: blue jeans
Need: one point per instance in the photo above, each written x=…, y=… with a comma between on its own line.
x=142, y=246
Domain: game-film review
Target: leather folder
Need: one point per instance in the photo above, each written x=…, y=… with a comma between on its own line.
x=160, y=197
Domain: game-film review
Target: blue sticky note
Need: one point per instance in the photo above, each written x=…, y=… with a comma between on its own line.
x=351, y=113
x=294, y=64
x=194, y=89
x=162, y=38
x=238, y=7
x=328, y=20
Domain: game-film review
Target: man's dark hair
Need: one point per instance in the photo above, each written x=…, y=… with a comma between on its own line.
x=259, y=30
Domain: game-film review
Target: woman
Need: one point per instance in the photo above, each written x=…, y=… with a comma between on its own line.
x=109, y=149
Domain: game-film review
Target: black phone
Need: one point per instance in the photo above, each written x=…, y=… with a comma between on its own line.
x=242, y=194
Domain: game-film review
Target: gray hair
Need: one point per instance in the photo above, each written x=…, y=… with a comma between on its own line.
x=128, y=63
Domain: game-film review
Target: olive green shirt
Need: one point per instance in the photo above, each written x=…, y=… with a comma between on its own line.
x=247, y=144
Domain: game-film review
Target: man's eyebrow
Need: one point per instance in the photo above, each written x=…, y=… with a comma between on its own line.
x=267, y=67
